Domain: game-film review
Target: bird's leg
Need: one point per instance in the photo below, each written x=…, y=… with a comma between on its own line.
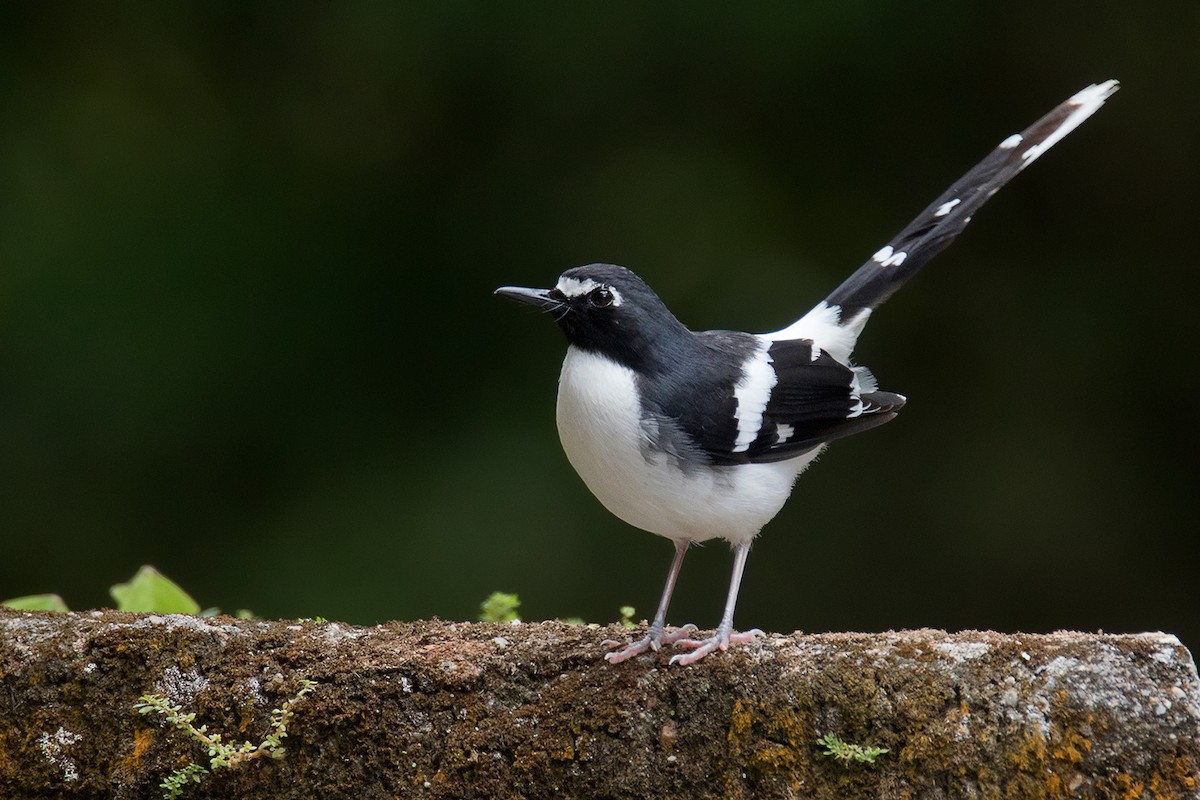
x=658, y=635
x=725, y=634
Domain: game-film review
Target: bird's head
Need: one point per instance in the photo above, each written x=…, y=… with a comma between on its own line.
x=606, y=309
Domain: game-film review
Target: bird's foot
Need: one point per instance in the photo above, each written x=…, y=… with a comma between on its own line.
x=719, y=641
x=651, y=641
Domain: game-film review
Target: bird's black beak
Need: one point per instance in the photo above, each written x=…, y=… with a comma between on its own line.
x=535, y=297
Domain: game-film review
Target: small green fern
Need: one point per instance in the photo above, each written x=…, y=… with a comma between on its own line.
x=847, y=752
x=222, y=754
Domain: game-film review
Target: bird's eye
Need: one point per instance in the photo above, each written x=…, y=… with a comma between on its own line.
x=600, y=298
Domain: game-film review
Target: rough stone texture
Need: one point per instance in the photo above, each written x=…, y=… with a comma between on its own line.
x=435, y=709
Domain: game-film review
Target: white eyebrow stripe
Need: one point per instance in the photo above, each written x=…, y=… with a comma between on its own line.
x=575, y=287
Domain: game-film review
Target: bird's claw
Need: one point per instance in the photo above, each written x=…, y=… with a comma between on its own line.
x=719, y=641
x=649, y=642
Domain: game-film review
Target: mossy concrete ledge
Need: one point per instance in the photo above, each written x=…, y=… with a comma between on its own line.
x=436, y=709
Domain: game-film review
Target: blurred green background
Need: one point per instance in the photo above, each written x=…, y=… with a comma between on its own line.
x=247, y=334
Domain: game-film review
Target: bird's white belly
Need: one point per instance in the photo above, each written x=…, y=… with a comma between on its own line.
x=600, y=428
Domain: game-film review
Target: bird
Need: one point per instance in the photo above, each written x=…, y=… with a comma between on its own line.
x=700, y=435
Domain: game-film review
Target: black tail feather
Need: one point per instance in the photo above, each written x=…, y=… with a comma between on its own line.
x=947, y=216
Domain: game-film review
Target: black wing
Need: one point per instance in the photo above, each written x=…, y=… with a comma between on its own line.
x=810, y=401
x=816, y=400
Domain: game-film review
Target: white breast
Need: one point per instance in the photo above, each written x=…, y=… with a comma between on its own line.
x=599, y=425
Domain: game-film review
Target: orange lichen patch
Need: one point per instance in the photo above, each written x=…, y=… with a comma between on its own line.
x=1186, y=772
x=1072, y=747
x=1130, y=789
x=143, y=739
x=1158, y=786
x=740, y=720
x=772, y=745
x=1031, y=756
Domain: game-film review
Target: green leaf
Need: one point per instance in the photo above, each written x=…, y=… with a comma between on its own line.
x=150, y=591
x=627, y=614
x=36, y=602
x=499, y=607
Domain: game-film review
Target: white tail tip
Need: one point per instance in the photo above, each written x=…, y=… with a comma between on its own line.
x=1084, y=103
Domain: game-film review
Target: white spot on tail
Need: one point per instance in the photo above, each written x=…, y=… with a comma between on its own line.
x=944, y=208
x=783, y=432
x=1012, y=141
x=887, y=257
x=752, y=392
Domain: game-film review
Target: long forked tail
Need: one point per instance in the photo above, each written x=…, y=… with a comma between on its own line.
x=946, y=217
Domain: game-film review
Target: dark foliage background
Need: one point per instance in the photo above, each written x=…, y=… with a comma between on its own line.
x=247, y=333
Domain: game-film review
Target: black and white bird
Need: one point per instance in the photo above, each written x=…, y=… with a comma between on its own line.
x=700, y=435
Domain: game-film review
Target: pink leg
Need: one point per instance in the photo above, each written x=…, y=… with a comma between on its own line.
x=658, y=635
x=725, y=634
